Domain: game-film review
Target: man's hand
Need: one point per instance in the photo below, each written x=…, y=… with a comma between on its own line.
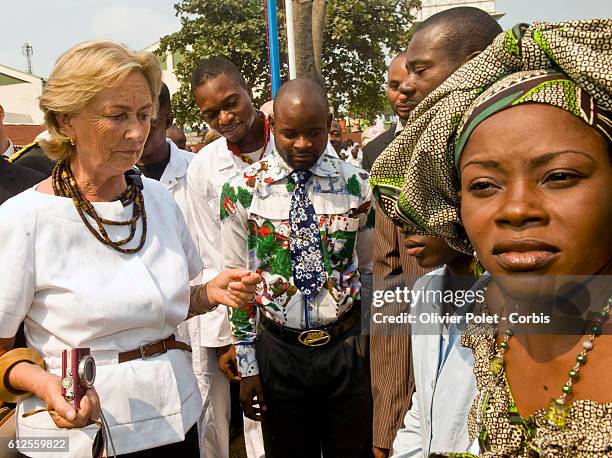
x=226, y=358
x=251, y=394
x=233, y=287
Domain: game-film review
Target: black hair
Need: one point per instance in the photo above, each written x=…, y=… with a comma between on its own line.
x=164, y=98
x=211, y=68
x=464, y=30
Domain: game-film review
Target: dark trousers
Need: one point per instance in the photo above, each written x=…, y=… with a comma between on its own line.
x=318, y=398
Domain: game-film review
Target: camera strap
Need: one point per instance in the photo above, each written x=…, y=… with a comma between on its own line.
x=101, y=440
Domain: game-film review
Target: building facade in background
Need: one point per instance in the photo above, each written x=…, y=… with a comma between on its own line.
x=19, y=93
x=168, y=64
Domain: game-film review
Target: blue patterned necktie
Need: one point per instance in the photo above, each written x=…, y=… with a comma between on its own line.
x=305, y=240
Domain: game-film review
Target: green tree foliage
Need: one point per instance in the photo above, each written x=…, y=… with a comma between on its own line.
x=357, y=34
x=235, y=29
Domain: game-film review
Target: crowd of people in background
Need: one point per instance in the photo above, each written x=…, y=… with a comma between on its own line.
x=254, y=260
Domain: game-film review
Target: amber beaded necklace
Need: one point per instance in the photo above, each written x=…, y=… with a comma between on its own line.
x=65, y=185
x=558, y=408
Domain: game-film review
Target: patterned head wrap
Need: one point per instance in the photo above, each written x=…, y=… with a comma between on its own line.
x=567, y=64
x=536, y=86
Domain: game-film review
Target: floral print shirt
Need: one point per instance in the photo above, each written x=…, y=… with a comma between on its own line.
x=255, y=233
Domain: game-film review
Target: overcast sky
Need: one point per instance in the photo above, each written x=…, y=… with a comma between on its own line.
x=52, y=26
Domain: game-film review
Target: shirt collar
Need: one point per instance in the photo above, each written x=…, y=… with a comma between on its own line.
x=177, y=165
x=398, y=127
x=228, y=160
x=326, y=166
x=10, y=150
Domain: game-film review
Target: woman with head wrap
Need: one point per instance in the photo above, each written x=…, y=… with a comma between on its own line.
x=511, y=158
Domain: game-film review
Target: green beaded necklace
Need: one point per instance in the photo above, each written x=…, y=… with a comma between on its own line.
x=558, y=408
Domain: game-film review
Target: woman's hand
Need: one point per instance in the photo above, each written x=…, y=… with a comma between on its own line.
x=48, y=387
x=63, y=413
x=233, y=287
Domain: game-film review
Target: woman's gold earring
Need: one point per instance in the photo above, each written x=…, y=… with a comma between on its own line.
x=476, y=268
x=72, y=142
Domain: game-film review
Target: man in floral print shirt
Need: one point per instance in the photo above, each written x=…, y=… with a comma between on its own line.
x=300, y=353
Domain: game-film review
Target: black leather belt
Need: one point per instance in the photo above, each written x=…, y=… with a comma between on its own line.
x=316, y=337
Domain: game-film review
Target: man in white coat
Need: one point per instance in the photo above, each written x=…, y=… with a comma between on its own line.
x=225, y=101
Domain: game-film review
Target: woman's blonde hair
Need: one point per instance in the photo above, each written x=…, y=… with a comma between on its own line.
x=79, y=74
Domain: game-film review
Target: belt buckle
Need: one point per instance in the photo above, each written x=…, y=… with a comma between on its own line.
x=143, y=350
x=314, y=338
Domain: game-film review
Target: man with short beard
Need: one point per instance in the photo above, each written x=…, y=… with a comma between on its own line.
x=335, y=136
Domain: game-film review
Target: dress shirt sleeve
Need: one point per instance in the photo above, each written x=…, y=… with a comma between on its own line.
x=365, y=236
x=407, y=443
x=234, y=234
x=17, y=264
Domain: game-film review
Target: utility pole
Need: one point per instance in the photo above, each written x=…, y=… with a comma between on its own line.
x=270, y=6
x=28, y=51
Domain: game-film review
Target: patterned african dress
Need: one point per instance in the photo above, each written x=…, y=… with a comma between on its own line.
x=500, y=431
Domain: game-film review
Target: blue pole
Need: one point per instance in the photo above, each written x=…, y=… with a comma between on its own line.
x=273, y=46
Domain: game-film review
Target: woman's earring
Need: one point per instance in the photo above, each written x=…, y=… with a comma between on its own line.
x=476, y=268
x=71, y=141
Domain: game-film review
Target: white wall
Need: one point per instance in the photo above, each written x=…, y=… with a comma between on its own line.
x=21, y=99
x=168, y=76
